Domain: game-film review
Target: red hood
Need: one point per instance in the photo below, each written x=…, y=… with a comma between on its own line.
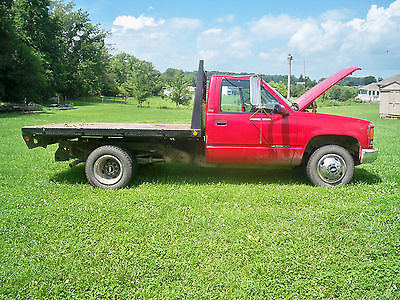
x=308, y=97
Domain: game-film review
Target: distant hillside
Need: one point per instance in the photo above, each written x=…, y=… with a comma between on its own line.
x=349, y=81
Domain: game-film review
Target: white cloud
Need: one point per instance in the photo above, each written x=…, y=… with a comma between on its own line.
x=208, y=54
x=326, y=42
x=269, y=27
x=226, y=19
x=353, y=38
x=164, y=42
x=336, y=14
x=334, y=40
x=264, y=55
x=130, y=22
x=184, y=23
x=212, y=31
x=224, y=45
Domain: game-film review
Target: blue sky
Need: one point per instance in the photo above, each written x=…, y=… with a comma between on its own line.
x=256, y=36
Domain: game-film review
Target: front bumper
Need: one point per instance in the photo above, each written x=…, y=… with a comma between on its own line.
x=369, y=155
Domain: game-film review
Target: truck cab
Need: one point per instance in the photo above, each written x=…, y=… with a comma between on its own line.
x=273, y=131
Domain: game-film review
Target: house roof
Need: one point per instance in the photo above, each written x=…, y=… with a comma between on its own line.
x=390, y=80
x=372, y=86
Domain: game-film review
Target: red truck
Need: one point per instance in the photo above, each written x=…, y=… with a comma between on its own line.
x=237, y=120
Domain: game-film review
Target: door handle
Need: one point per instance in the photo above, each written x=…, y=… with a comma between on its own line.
x=221, y=123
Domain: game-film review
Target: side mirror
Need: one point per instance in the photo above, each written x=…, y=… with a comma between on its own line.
x=280, y=109
x=255, y=91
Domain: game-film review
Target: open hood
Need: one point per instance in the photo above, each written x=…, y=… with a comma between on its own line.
x=309, y=97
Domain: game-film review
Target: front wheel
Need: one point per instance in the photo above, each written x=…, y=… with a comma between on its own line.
x=109, y=167
x=330, y=165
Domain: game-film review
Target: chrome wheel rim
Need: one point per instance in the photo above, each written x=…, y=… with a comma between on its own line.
x=331, y=168
x=108, y=169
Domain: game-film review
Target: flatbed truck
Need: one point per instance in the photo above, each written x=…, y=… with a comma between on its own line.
x=236, y=120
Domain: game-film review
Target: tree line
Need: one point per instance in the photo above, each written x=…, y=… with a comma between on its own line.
x=50, y=48
x=338, y=92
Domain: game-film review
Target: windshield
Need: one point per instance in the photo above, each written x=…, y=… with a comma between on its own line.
x=280, y=96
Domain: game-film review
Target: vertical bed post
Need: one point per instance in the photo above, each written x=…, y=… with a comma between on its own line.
x=200, y=95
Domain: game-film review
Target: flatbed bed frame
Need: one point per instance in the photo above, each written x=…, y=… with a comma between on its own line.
x=43, y=135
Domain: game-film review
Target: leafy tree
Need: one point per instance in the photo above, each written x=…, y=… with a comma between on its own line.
x=85, y=54
x=143, y=81
x=369, y=79
x=48, y=47
x=357, y=81
x=134, y=78
x=334, y=93
x=121, y=66
x=341, y=93
x=280, y=87
x=296, y=90
x=22, y=74
x=180, y=93
x=169, y=75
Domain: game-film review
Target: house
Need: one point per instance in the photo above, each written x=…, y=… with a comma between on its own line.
x=369, y=93
x=390, y=97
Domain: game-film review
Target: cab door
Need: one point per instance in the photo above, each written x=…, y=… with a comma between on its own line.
x=241, y=133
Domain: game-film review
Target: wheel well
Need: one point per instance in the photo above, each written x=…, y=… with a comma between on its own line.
x=350, y=143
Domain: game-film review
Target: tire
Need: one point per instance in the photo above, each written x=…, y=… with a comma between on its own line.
x=330, y=165
x=109, y=167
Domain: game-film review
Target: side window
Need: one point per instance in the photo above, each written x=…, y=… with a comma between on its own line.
x=268, y=100
x=235, y=95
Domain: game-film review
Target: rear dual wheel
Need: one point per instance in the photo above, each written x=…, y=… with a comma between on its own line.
x=109, y=167
x=330, y=165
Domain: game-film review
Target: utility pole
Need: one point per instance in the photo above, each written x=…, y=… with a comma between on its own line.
x=289, y=58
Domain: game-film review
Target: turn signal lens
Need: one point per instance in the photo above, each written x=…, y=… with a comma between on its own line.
x=371, y=134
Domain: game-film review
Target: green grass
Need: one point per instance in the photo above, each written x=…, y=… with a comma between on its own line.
x=151, y=102
x=187, y=232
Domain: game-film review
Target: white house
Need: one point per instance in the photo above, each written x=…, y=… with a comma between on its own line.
x=369, y=93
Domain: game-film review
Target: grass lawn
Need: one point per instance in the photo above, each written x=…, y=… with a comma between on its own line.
x=183, y=231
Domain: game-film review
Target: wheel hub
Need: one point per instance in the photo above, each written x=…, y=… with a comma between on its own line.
x=331, y=168
x=108, y=169
x=111, y=168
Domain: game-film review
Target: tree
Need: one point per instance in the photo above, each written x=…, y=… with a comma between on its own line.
x=280, y=87
x=342, y=93
x=369, y=79
x=169, y=74
x=85, y=55
x=296, y=90
x=334, y=93
x=121, y=66
x=143, y=81
x=134, y=78
x=180, y=93
x=22, y=72
x=47, y=47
